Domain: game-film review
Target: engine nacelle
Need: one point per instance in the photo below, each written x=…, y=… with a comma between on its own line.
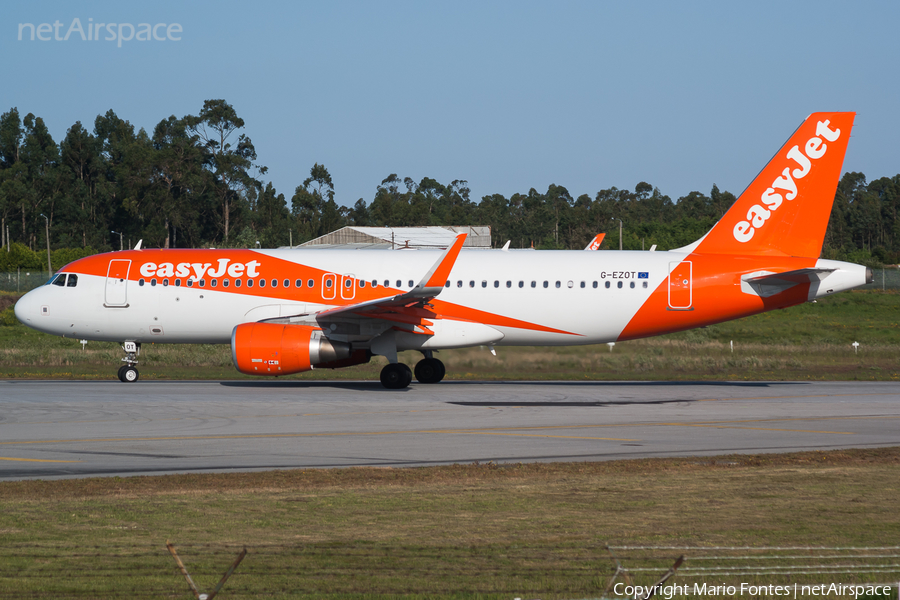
x=278, y=349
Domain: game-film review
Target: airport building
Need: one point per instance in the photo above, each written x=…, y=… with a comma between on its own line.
x=397, y=238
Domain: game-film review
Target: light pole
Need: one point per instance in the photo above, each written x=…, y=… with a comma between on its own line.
x=120, y=239
x=47, y=223
x=620, y=231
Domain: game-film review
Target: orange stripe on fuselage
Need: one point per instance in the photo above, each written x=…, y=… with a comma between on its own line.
x=268, y=268
x=457, y=312
x=717, y=294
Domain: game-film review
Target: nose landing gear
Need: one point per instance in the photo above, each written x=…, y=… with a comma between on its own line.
x=128, y=372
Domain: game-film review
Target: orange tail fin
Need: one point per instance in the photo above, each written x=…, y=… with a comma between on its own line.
x=785, y=210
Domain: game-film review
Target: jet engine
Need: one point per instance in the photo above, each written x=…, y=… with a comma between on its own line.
x=278, y=349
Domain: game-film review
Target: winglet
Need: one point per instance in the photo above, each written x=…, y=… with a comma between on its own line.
x=430, y=286
x=437, y=276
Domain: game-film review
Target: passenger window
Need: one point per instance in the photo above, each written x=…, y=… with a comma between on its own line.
x=286, y=283
x=141, y=282
x=471, y=284
x=483, y=283
x=558, y=284
x=202, y=283
x=459, y=283
x=328, y=283
x=59, y=280
x=619, y=285
x=298, y=283
x=274, y=283
x=165, y=283
x=177, y=283
x=262, y=283
x=249, y=282
x=374, y=283
x=595, y=285
x=645, y=284
x=362, y=283
x=152, y=283
x=226, y=282
x=190, y=283
x=496, y=283
x=310, y=283
x=213, y=282
x=509, y=284
x=632, y=285
x=411, y=283
x=607, y=285
x=521, y=284
x=237, y=283
x=570, y=284
x=446, y=285
x=348, y=283
x=583, y=284
x=387, y=283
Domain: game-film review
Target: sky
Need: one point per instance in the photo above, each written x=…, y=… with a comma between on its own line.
x=507, y=95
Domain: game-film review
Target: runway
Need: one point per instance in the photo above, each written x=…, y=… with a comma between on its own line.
x=51, y=429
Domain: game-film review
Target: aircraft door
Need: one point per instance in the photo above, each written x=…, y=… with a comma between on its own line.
x=117, y=283
x=329, y=281
x=348, y=287
x=680, y=285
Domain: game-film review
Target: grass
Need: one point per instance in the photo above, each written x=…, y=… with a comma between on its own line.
x=466, y=531
x=810, y=341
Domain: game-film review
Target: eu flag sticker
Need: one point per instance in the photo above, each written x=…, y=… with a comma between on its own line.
x=643, y=275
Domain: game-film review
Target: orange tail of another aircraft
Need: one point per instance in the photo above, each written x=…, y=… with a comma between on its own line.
x=785, y=210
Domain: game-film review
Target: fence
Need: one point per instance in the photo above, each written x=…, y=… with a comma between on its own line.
x=23, y=280
x=885, y=279
x=730, y=571
x=372, y=570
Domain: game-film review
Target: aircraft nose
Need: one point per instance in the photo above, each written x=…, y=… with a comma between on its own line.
x=27, y=309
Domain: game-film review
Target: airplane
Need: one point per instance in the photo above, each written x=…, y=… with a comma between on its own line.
x=594, y=244
x=289, y=311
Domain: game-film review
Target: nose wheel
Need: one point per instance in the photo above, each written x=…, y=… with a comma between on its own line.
x=128, y=372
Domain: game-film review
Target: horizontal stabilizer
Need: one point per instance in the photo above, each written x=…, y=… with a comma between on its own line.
x=768, y=284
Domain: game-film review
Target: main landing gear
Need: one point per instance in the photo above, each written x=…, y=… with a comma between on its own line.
x=128, y=372
x=397, y=376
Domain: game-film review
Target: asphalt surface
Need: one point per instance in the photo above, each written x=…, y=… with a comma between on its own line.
x=51, y=429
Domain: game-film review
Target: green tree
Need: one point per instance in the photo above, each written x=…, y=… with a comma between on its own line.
x=230, y=161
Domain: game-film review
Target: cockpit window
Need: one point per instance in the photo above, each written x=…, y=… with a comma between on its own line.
x=73, y=280
x=59, y=280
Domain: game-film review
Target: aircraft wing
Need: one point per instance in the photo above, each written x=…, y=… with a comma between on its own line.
x=410, y=308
